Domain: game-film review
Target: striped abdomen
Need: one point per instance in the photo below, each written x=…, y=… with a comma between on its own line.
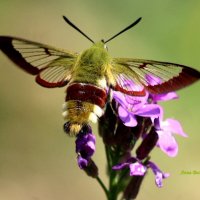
x=84, y=103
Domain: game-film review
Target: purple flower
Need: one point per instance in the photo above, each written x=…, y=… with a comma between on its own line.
x=130, y=107
x=166, y=141
x=85, y=146
x=138, y=169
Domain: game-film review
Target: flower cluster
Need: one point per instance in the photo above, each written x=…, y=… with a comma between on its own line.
x=126, y=121
x=134, y=110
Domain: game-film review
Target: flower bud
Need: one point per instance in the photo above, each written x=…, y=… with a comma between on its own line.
x=147, y=144
x=132, y=189
x=91, y=169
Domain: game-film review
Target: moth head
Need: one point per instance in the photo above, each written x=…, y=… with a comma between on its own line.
x=97, y=54
x=101, y=45
x=104, y=44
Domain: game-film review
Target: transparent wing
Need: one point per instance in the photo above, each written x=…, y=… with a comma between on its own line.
x=154, y=76
x=51, y=65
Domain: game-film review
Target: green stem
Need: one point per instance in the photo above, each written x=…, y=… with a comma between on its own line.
x=108, y=157
x=103, y=187
x=113, y=189
x=119, y=187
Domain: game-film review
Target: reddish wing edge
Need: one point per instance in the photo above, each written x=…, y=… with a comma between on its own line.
x=184, y=79
x=7, y=48
x=46, y=84
x=131, y=93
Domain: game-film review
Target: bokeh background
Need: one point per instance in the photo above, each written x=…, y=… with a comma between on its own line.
x=37, y=160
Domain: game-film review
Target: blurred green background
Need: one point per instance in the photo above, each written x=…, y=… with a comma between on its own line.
x=37, y=160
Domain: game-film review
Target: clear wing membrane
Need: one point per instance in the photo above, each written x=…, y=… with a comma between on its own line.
x=154, y=76
x=51, y=65
x=126, y=80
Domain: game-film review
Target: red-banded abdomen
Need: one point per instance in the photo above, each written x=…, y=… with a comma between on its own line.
x=84, y=103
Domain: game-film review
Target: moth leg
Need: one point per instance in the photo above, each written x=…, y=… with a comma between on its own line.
x=111, y=102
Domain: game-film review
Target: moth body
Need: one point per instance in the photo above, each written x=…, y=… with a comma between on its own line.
x=86, y=91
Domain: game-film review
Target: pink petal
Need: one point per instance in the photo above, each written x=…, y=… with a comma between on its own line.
x=167, y=143
x=173, y=126
x=137, y=169
x=165, y=97
x=149, y=110
x=137, y=101
x=159, y=175
x=120, y=166
x=119, y=98
x=127, y=118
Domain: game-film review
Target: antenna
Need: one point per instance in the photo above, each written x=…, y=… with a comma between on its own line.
x=75, y=27
x=127, y=28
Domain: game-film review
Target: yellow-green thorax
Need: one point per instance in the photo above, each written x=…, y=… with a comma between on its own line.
x=92, y=64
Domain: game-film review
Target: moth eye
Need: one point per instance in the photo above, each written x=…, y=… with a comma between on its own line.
x=105, y=47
